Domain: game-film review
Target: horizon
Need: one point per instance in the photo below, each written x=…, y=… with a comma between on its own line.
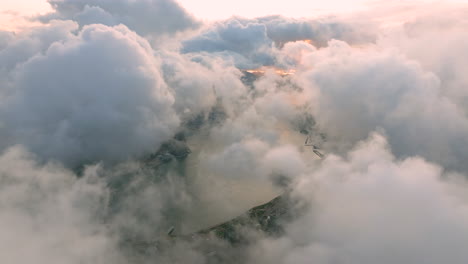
x=19, y=11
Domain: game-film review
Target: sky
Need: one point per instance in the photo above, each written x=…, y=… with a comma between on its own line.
x=207, y=10
x=255, y=8
x=222, y=9
x=13, y=13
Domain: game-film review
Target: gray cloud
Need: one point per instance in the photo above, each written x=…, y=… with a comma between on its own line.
x=355, y=92
x=197, y=81
x=282, y=30
x=5, y=38
x=26, y=44
x=75, y=93
x=257, y=40
x=369, y=207
x=446, y=58
x=248, y=40
x=147, y=17
x=49, y=216
x=96, y=96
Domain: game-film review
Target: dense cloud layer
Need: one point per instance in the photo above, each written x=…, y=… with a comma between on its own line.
x=369, y=207
x=358, y=91
x=47, y=215
x=97, y=95
x=446, y=58
x=92, y=86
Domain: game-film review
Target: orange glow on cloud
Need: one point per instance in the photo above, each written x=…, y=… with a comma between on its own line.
x=261, y=71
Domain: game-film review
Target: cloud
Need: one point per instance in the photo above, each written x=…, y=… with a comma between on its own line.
x=5, y=38
x=25, y=44
x=111, y=81
x=48, y=215
x=257, y=40
x=95, y=96
x=197, y=81
x=51, y=215
x=282, y=30
x=146, y=17
x=248, y=40
x=356, y=91
x=445, y=28
x=369, y=207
